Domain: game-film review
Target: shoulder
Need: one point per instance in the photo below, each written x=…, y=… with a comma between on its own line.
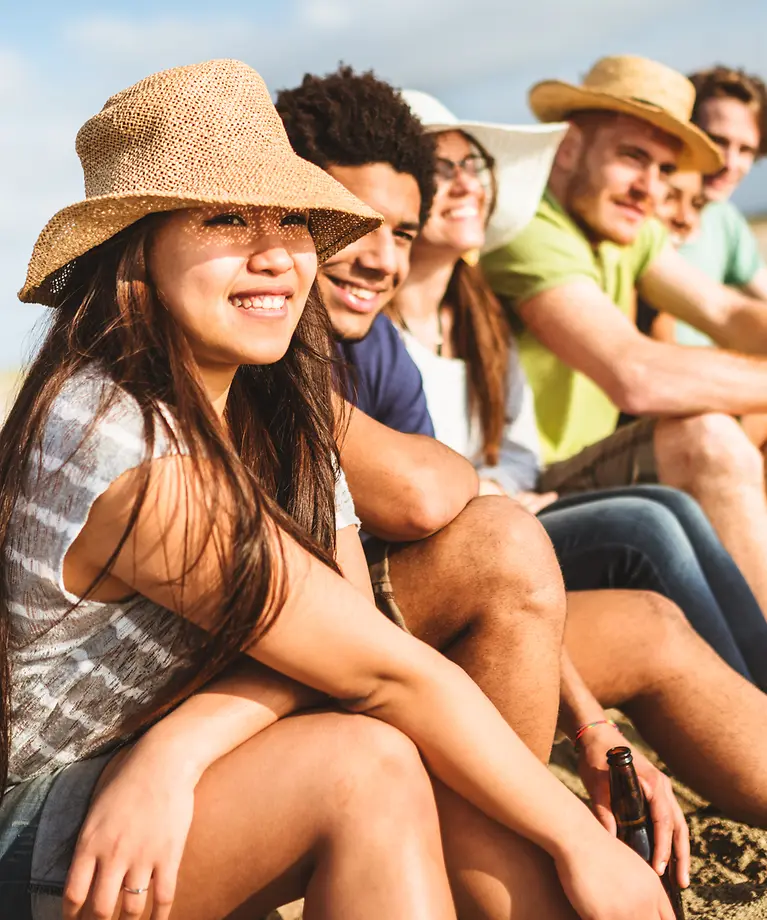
x=548, y=253
x=382, y=340
x=723, y=214
x=379, y=352
x=89, y=410
x=735, y=222
x=552, y=228
x=650, y=242
x=725, y=224
x=95, y=430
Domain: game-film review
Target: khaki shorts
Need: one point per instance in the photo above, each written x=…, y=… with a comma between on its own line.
x=626, y=458
x=377, y=555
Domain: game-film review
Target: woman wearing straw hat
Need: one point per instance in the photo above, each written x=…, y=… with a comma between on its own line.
x=167, y=487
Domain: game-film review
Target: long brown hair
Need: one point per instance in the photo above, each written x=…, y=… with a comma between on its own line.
x=274, y=465
x=482, y=337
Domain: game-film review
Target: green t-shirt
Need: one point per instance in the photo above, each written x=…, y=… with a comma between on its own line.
x=571, y=410
x=726, y=250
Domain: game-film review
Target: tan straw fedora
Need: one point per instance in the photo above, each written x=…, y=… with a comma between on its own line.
x=187, y=137
x=640, y=87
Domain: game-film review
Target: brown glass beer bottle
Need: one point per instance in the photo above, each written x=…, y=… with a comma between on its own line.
x=628, y=804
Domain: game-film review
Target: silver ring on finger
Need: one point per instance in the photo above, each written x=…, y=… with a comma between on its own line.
x=135, y=890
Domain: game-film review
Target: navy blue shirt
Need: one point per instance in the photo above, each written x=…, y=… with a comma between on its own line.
x=389, y=386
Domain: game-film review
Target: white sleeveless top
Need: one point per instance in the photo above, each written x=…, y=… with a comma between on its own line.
x=445, y=383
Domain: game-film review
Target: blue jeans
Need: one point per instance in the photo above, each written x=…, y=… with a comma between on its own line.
x=658, y=539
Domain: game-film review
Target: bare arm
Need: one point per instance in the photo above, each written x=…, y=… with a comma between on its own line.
x=405, y=486
x=351, y=561
x=245, y=700
x=757, y=286
x=732, y=318
x=584, y=328
x=374, y=668
x=579, y=707
x=330, y=637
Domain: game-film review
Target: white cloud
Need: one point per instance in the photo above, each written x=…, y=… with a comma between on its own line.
x=326, y=14
x=410, y=41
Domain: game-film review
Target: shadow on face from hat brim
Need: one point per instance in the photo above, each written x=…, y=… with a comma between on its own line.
x=81, y=227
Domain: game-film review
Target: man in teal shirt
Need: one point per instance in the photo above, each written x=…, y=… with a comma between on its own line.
x=730, y=106
x=571, y=278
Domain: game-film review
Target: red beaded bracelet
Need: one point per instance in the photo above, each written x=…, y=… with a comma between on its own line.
x=584, y=728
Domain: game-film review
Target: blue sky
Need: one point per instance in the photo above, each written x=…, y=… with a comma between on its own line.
x=60, y=61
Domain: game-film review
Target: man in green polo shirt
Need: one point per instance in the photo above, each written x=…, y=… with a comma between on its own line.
x=572, y=278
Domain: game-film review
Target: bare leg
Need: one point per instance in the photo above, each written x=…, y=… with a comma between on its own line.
x=637, y=652
x=488, y=592
x=496, y=875
x=711, y=457
x=333, y=806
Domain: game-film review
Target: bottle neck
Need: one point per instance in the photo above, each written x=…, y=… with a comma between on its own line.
x=627, y=799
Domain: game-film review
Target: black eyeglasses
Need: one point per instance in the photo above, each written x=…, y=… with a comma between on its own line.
x=474, y=165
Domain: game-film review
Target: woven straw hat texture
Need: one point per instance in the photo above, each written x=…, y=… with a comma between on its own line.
x=639, y=87
x=188, y=137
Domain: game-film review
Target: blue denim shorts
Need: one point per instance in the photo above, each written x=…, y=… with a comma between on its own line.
x=40, y=820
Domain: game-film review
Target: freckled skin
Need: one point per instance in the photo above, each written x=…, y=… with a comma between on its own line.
x=202, y=257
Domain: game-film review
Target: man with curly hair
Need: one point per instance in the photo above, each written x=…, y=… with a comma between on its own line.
x=358, y=129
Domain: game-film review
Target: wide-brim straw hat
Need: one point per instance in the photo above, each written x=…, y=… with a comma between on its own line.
x=639, y=87
x=206, y=134
x=523, y=155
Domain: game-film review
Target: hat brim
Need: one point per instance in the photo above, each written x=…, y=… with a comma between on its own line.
x=555, y=100
x=337, y=218
x=523, y=156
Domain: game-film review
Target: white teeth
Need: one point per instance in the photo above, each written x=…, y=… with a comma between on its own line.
x=358, y=292
x=464, y=211
x=260, y=302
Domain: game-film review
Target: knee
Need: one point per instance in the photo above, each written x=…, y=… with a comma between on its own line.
x=711, y=445
x=372, y=762
x=665, y=628
x=512, y=560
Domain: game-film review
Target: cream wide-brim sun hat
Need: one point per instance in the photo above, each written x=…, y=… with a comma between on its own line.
x=206, y=134
x=634, y=86
x=523, y=156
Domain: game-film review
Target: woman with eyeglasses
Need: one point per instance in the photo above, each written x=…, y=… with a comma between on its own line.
x=646, y=537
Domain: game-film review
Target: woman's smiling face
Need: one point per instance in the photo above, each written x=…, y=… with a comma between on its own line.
x=458, y=215
x=235, y=279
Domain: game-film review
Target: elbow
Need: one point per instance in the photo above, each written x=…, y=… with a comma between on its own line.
x=631, y=389
x=436, y=499
x=428, y=509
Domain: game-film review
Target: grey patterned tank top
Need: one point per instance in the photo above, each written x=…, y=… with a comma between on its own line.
x=79, y=676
